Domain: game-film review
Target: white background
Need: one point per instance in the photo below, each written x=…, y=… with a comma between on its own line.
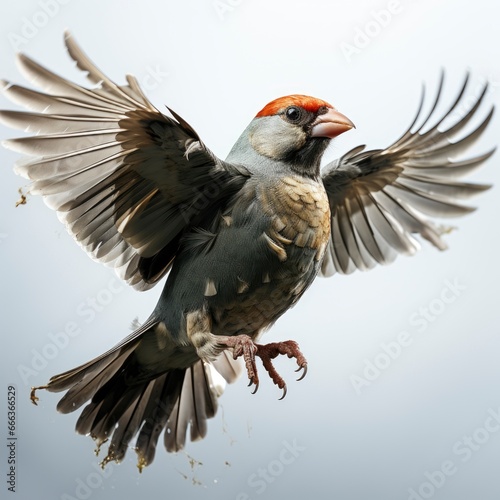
x=217, y=64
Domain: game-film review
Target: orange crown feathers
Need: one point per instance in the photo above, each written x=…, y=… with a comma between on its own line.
x=309, y=103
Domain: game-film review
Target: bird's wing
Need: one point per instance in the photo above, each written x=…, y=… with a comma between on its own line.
x=380, y=199
x=125, y=179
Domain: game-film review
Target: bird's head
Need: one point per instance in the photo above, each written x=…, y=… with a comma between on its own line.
x=294, y=130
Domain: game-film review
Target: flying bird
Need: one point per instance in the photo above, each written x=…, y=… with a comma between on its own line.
x=240, y=240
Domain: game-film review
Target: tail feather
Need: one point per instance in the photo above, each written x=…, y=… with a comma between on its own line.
x=196, y=403
x=165, y=394
x=84, y=422
x=111, y=403
x=227, y=366
x=126, y=400
x=129, y=424
x=92, y=368
x=203, y=400
x=91, y=382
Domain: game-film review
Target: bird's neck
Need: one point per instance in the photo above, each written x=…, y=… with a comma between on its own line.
x=305, y=161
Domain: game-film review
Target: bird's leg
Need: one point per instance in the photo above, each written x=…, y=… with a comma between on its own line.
x=209, y=346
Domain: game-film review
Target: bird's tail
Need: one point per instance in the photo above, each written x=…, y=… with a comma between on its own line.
x=121, y=407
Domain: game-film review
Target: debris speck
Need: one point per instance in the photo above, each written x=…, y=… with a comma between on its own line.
x=22, y=200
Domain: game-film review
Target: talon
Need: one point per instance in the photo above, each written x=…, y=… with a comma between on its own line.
x=256, y=388
x=284, y=393
x=304, y=373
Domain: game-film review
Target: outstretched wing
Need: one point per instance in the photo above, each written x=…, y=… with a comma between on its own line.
x=379, y=199
x=125, y=179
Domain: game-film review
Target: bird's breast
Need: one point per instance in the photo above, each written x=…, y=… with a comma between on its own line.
x=293, y=243
x=299, y=212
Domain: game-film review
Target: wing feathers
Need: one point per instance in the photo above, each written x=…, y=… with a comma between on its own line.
x=95, y=75
x=380, y=198
x=118, y=171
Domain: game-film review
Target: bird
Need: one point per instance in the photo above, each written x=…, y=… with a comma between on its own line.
x=239, y=240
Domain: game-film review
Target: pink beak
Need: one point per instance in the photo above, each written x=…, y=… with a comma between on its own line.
x=331, y=124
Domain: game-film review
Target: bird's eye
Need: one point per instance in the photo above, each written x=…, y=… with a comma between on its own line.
x=293, y=114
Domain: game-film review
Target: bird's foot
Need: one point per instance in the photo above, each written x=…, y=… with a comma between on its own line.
x=243, y=345
x=267, y=352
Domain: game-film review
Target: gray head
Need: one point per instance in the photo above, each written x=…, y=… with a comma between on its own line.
x=291, y=131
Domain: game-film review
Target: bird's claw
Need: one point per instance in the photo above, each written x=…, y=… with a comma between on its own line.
x=304, y=373
x=254, y=381
x=284, y=393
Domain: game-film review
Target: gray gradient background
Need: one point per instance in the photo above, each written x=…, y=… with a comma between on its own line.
x=217, y=73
